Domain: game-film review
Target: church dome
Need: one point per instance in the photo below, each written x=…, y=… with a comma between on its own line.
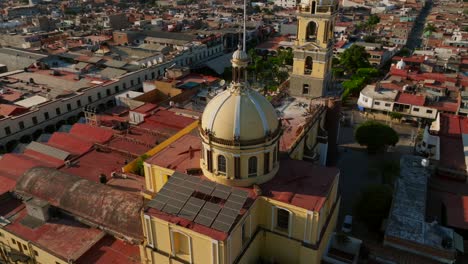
x=401, y=65
x=240, y=58
x=241, y=114
x=240, y=55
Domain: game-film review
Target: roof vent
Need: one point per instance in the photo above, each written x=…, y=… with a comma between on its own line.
x=38, y=209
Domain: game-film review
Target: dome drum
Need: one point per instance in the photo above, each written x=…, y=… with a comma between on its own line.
x=236, y=142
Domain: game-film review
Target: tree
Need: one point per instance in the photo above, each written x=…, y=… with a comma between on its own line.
x=353, y=58
x=373, y=205
x=376, y=136
x=139, y=167
x=373, y=20
x=429, y=29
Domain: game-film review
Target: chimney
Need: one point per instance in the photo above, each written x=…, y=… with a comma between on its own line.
x=37, y=208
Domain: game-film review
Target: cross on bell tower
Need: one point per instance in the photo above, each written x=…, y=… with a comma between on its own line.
x=313, y=49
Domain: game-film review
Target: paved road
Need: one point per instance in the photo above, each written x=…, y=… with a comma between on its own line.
x=415, y=36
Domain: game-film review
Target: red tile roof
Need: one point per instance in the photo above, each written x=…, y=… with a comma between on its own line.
x=11, y=95
x=70, y=143
x=181, y=155
x=301, y=184
x=91, y=133
x=6, y=184
x=11, y=110
x=14, y=165
x=66, y=238
x=411, y=99
x=111, y=250
x=146, y=108
x=452, y=155
x=166, y=119
x=49, y=161
x=457, y=211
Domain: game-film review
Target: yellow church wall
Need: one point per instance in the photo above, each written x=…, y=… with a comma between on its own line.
x=321, y=34
x=254, y=251
x=298, y=66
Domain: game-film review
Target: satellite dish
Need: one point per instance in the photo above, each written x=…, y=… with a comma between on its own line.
x=222, y=82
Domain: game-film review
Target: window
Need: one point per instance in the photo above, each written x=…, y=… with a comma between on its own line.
x=57, y=111
x=245, y=236
x=69, y=107
x=428, y=111
x=146, y=77
x=152, y=75
x=266, y=163
x=1, y=234
x=78, y=103
x=149, y=232
x=99, y=95
x=180, y=245
x=25, y=247
x=46, y=115
x=116, y=89
x=139, y=80
x=365, y=99
x=34, y=120
x=90, y=99
x=131, y=83
x=21, y=125
x=282, y=219
x=108, y=92
x=237, y=169
x=209, y=159
x=7, y=130
x=377, y=103
x=388, y=104
x=36, y=253
x=274, y=155
x=305, y=89
x=221, y=164
x=13, y=241
x=124, y=85
x=252, y=166
x=416, y=109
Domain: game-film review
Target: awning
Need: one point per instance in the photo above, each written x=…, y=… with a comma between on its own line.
x=458, y=242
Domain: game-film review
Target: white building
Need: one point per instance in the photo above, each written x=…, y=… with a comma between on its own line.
x=286, y=3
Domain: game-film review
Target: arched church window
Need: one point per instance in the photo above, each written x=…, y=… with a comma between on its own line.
x=311, y=32
x=252, y=166
x=221, y=164
x=308, y=65
x=305, y=89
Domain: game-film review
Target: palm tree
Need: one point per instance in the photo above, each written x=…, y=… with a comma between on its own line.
x=429, y=29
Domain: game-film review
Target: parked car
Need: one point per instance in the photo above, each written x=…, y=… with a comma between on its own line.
x=347, y=224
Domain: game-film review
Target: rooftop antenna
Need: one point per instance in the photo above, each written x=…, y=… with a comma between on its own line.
x=244, y=31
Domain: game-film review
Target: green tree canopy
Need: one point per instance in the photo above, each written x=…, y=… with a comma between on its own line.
x=373, y=205
x=376, y=136
x=353, y=58
x=373, y=20
x=139, y=166
x=429, y=29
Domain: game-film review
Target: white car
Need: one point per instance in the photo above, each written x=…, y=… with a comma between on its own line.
x=347, y=224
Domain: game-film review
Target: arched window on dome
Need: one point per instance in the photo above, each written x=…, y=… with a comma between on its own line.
x=221, y=164
x=274, y=156
x=252, y=166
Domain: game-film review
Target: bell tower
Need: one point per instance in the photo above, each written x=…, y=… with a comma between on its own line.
x=313, y=49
